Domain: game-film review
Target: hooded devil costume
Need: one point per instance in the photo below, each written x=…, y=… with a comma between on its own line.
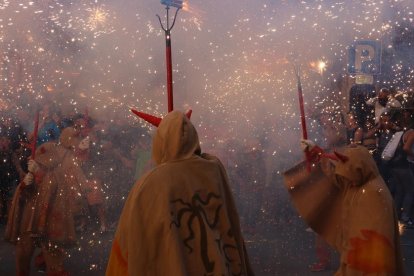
x=180, y=218
x=348, y=204
x=52, y=201
x=43, y=212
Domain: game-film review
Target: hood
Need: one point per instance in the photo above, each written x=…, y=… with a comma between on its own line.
x=69, y=138
x=50, y=154
x=175, y=138
x=360, y=168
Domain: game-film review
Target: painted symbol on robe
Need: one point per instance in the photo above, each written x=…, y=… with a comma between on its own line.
x=371, y=254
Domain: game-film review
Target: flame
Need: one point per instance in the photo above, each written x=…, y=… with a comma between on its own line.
x=186, y=7
x=318, y=66
x=321, y=65
x=197, y=12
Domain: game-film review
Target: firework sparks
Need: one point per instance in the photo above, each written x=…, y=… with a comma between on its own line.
x=97, y=18
x=228, y=59
x=318, y=66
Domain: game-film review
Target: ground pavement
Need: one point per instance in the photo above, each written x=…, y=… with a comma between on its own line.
x=280, y=247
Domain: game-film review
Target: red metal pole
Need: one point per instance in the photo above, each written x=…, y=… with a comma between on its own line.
x=35, y=134
x=86, y=114
x=169, y=71
x=302, y=110
x=303, y=121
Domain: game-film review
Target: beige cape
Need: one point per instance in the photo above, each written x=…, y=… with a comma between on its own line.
x=349, y=205
x=46, y=209
x=180, y=218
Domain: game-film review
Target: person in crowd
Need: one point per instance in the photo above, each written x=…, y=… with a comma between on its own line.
x=369, y=139
x=25, y=117
x=358, y=95
x=10, y=172
x=179, y=218
x=15, y=132
x=125, y=136
x=118, y=142
x=384, y=100
x=334, y=132
x=77, y=139
x=19, y=137
x=333, y=129
x=384, y=132
x=361, y=135
x=61, y=121
x=406, y=195
x=396, y=169
x=102, y=166
x=43, y=209
x=48, y=128
x=358, y=218
x=354, y=132
x=89, y=155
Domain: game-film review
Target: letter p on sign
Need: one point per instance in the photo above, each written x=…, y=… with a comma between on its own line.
x=364, y=57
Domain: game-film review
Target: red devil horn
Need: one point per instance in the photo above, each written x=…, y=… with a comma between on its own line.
x=155, y=121
x=341, y=157
x=188, y=113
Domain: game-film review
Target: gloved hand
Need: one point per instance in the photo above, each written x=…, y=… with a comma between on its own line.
x=84, y=144
x=306, y=145
x=313, y=151
x=32, y=166
x=28, y=179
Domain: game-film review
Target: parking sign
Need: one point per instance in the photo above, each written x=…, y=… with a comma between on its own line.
x=364, y=57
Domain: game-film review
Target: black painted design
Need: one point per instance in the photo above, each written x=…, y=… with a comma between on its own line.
x=196, y=211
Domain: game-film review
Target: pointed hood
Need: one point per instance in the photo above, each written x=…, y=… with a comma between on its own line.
x=154, y=120
x=175, y=139
x=69, y=138
x=50, y=155
x=360, y=168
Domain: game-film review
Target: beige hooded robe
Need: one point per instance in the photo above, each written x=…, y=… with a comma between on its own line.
x=47, y=208
x=180, y=218
x=349, y=205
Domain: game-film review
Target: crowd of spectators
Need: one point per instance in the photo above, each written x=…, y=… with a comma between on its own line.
x=384, y=123
x=118, y=153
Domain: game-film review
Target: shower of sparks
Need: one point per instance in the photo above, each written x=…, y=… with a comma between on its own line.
x=97, y=18
x=321, y=66
x=231, y=61
x=318, y=66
